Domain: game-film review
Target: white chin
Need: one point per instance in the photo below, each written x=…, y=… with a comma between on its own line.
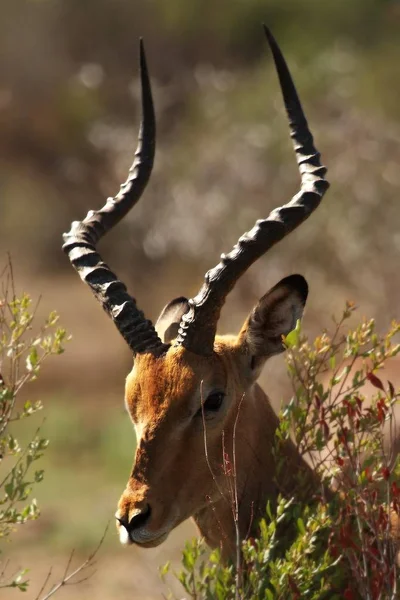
x=124, y=536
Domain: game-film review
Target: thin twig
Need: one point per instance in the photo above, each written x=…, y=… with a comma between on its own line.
x=66, y=580
x=46, y=581
x=205, y=442
x=238, y=577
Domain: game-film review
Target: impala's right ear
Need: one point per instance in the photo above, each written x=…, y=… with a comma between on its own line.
x=169, y=320
x=275, y=316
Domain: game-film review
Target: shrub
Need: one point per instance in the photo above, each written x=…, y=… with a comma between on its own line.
x=22, y=353
x=342, y=542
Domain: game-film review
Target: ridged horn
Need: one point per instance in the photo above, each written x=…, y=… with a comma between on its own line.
x=80, y=242
x=198, y=326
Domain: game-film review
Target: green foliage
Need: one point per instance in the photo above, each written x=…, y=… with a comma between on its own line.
x=341, y=542
x=203, y=578
x=22, y=352
x=270, y=568
x=304, y=568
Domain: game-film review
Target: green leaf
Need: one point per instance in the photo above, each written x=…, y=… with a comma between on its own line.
x=164, y=570
x=32, y=360
x=300, y=526
x=292, y=339
x=268, y=594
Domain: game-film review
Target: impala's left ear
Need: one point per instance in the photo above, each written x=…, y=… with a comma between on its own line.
x=170, y=318
x=275, y=315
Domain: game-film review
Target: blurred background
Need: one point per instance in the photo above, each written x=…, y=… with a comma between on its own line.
x=69, y=116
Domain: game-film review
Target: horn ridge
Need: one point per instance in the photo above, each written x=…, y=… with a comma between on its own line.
x=80, y=241
x=199, y=324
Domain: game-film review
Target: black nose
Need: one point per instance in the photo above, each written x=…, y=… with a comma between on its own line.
x=140, y=518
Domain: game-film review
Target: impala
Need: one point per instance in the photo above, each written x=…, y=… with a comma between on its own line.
x=187, y=384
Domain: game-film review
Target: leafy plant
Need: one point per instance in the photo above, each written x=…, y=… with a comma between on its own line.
x=349, y=438
x=22, y=353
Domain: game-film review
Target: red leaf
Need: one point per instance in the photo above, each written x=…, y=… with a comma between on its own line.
x=380, y=414
x=294, y=588
x=325, y=429
x=368, y=474
x=391, y=390
x=376, y=382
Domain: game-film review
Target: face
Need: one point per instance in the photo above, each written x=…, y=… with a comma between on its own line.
x=183, y=406
x=169, y=400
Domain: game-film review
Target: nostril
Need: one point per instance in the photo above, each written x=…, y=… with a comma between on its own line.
x=140, y=518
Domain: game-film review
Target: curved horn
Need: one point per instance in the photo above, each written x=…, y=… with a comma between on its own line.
x=80, y=242
x=198, y=326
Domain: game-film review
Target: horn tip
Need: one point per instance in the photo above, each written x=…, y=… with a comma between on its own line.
x=142, y=51
x=144, y=74
x=269, y=36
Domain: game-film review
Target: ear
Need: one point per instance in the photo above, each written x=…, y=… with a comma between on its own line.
x=275, y=315
x=169, y=320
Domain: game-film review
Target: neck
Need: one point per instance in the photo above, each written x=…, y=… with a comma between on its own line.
x=258, y=480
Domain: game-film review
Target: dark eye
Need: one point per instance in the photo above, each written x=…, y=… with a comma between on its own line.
x=213, y=402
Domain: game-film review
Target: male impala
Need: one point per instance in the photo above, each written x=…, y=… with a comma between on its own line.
x=187, y=383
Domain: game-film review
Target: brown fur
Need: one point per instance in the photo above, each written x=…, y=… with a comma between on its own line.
x=171, y=472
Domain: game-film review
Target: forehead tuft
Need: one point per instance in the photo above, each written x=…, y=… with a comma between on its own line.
x=173, y=377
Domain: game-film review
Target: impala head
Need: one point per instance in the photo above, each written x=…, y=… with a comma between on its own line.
x=186, y=383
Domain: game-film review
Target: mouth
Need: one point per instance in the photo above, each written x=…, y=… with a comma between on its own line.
x=153, y=542
x=145, y=540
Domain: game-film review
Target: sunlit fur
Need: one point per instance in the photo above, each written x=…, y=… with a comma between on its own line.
x=171, y=472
